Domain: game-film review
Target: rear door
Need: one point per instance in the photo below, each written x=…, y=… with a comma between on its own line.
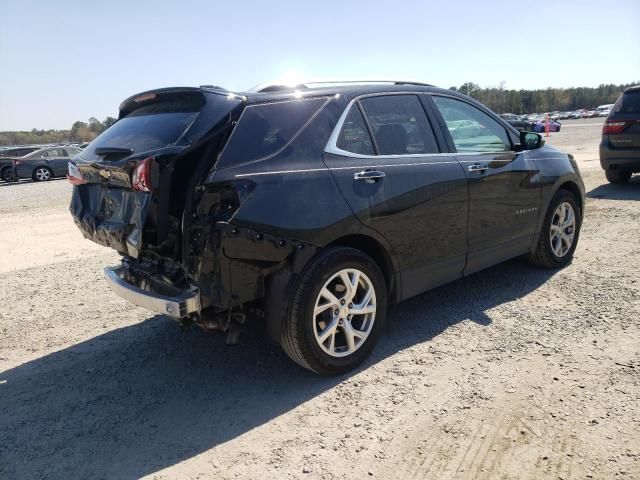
x=387, y=161
x=504, y=186
x=56, y=159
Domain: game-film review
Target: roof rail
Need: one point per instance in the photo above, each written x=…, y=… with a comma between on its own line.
x=279, y=86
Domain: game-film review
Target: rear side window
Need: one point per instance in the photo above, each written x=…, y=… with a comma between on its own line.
x=265, y=129
x=628, y=103
x=354, y=136
x=399, y=125
x=471, y=129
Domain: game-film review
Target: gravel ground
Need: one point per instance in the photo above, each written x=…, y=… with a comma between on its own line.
x=514, y=372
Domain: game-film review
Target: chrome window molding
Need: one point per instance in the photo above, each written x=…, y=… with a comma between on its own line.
x=332, y=143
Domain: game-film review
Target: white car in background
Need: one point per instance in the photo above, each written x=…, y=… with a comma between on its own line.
x=604, y=110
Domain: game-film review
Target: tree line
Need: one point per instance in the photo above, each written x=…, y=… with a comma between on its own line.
x=79, y=132
x=502, y=100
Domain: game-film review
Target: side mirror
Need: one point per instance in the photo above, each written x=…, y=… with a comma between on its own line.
x=530, y=140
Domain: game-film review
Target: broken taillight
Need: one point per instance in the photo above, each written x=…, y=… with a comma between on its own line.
x=74, y=175
x=141, y=175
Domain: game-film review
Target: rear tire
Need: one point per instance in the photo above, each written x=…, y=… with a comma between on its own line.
x=42, y=174
x=323, y=331
x=6, y=174
x=617, y=176
x=554, y=250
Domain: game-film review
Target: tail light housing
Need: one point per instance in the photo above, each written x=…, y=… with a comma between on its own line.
x=141, y=175
x=614, y=127
x=74, y=175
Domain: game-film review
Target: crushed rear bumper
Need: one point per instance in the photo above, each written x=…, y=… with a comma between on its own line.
x=181, y=304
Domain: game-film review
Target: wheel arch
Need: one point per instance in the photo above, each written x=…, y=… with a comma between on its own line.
x=570, y=183
x=574, y=189
x=280, y=285
x=379, y=253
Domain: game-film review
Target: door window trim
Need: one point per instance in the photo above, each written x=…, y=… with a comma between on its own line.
x=332, y=143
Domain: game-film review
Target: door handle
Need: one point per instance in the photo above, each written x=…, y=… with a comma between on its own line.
x=369, y=176
x=477, y=168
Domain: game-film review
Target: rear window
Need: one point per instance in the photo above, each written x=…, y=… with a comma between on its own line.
x=265, y=129
x=628, y=103
x=153, y=123
x=142, y=131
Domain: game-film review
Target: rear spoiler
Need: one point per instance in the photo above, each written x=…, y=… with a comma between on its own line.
x=188, y=94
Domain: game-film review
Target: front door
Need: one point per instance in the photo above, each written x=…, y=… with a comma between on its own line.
x=386, y=159
x=504, y=186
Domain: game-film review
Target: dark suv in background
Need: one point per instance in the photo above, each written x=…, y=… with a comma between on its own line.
x=316, y=206
x=620, y=146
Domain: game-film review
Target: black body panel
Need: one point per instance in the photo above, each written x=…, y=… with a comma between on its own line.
x=240, y=230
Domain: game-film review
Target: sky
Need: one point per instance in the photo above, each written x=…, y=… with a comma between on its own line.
x=67, y=60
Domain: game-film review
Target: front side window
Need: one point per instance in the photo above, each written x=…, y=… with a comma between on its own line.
x=354, y=136
x=471, y=129
x=399, y=125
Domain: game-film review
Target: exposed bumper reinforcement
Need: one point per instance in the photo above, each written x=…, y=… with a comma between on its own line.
x=176, y=307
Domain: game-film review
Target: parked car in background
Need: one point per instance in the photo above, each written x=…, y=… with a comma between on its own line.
x=44, y=164
x=620, y=145
x=316, y=206
x=604, y=110
x=7, y=155
x=517, y=121
x=575, y=115
x=541, y=126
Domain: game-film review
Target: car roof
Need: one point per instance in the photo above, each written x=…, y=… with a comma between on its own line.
x=349, y=89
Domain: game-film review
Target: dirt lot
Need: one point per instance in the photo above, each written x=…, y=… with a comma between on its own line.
x=514, y=372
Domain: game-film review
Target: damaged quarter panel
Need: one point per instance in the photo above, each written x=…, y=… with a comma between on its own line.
x=281, y=208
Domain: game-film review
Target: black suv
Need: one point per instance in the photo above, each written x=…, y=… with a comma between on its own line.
x=620, y=146
x=316, y=206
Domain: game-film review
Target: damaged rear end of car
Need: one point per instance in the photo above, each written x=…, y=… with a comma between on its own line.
x=134, y=192
x=150, y=188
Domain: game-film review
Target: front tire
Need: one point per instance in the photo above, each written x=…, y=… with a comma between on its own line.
x=560, y=231
x=42, y=174
x=617, y=176
x=337, y=311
